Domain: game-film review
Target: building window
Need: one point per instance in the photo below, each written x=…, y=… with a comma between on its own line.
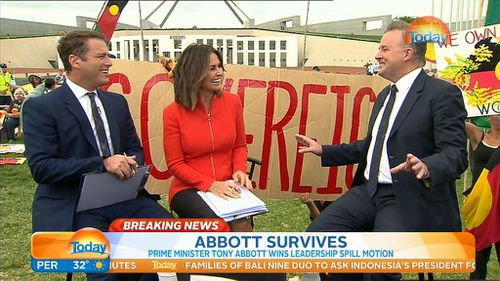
x=166, y=54
x=145, y=55
x=272, y=59
x=210, y=42
x=177, y=55
x=239, y=45
x=373, y=24
x=117, y=46
x=239, y=58
x=136, y=49
x=283, y=44
x=250, y=45
x=199, y=41
x=229, y=59
x=118, y=56
x=262, y=45
x=272, y=45
x=262, y=59
x=127, y=49
x=177, y=44
x=229, y=42
x=220, y=42
x=156, y=50
x=286, y=24
x=251, y=59
x=283, y=60
x=110, y=46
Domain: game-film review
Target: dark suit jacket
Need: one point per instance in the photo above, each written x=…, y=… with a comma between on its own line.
x=431, y=126
x=61, y=147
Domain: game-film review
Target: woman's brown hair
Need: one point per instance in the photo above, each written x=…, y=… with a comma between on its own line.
x=190, y=70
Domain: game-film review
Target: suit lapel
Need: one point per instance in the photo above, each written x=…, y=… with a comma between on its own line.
x=112, y=123
x=411, y=98
x=74, y=107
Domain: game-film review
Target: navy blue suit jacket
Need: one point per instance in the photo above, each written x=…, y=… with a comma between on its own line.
x=61, y=147
x=431, y=126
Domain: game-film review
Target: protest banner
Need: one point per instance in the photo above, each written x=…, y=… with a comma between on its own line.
x=278, y=103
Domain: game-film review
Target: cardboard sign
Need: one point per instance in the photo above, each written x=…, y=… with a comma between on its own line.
x=471, y=61
x=278, y=103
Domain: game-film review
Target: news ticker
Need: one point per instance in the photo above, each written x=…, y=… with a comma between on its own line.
x=206, y=246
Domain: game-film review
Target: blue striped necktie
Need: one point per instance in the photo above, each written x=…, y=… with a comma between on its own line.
x=99, y=125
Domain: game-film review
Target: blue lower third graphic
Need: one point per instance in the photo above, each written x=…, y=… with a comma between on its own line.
x=89, y=266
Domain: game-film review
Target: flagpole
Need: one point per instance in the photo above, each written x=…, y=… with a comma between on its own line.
x=142, y=33
x=305, y=36
x=99, y=15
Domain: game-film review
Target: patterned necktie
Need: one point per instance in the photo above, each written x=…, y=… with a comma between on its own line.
x=99, y=126
x=379, y=143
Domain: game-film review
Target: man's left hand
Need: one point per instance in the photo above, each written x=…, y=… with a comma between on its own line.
x=412, y=165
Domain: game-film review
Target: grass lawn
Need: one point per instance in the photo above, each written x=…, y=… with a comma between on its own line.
x=16, y=194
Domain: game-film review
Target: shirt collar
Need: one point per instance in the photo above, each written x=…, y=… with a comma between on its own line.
x=77, y=90
x=404, y=83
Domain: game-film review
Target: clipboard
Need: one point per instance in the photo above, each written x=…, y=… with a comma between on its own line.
x=235, y=208
x=104, y=189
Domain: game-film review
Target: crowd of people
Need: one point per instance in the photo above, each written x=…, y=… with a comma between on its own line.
x=13, y=96
x=414, y=150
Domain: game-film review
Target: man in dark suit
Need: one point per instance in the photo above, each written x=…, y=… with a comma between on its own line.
x=410, y=158
x=78, y=129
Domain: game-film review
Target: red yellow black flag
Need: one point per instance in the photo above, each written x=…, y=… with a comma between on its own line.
x=106, y=23
x=482, y=208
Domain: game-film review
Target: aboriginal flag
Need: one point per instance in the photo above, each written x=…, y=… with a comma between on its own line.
x=106, y=23
x=482, y=208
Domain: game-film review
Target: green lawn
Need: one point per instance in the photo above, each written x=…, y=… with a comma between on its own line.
x=16, y=193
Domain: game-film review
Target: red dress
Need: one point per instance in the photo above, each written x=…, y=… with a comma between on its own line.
x=201, y=148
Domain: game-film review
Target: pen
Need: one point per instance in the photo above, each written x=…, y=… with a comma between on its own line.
x=131, y=166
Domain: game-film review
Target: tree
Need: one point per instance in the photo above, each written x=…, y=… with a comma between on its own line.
x=407, y=19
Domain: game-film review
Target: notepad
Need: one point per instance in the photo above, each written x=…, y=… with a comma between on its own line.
x=235, y=208
x=104, y=189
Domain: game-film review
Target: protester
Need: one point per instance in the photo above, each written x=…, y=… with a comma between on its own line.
x=410, y=158
x=5, y=85
x=34, y=81
x=14, y=114
x=78, y=129
x=60, y=77
x=48, y=85
x=204, y=140
x=315, y=206
x=482, y=145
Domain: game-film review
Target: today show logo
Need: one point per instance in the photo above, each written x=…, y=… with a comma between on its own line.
x=428, y=30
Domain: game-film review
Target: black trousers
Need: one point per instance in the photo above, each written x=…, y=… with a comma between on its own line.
x=141, y=207
x=356, y=211
x=482, y=259
x=188, y=204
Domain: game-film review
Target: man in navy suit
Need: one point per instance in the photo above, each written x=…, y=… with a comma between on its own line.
x=63, y=143
x=422, y=152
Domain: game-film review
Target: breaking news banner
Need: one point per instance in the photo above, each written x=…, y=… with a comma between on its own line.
x=207, y=246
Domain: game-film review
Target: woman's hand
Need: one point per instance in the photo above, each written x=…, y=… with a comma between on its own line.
x=243, y=179
x=224, y=190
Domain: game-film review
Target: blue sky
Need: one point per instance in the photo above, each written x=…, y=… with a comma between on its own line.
x=216, y=13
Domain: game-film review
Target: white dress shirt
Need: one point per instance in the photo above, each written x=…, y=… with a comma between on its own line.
x=84, y=99
x=403, y=85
